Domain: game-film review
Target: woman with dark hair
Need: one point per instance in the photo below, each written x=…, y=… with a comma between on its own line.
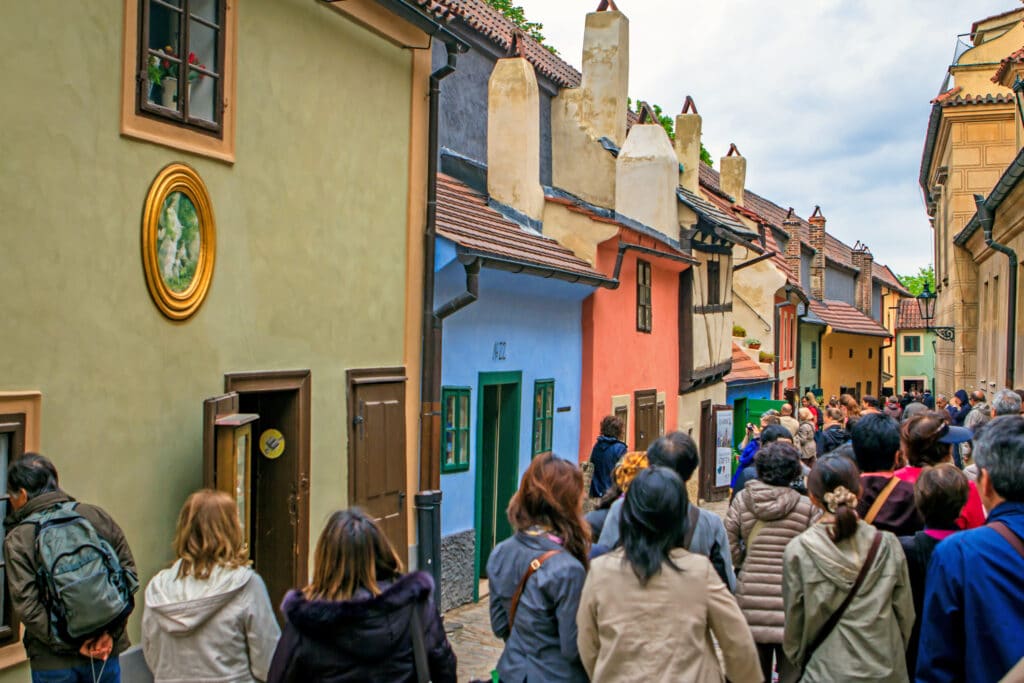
x=360, y=618
x=926, y=440
x=766, y=515
x=536, y=575
x=769, y=435
x=605, y=455
x=649, y=608
x=845, y=588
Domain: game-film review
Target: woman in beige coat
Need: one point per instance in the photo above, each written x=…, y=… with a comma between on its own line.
x=763, y=518
x=821, y=565
x=649, y=608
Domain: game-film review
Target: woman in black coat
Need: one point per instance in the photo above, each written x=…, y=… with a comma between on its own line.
x=356, y=620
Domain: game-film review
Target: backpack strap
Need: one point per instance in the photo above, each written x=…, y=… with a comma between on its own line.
x=883, y=496
x=1011, y=538
x=692, y=517
x=419, y=647
x=833, y=620
x=535, y=564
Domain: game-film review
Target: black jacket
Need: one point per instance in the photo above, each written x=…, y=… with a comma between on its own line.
x=367, y=638
x=831, y=438
x=604, y=457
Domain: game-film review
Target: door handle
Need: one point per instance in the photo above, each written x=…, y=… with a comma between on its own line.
x=401, y=500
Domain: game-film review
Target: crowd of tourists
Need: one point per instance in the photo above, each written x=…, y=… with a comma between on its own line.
x=862, y=542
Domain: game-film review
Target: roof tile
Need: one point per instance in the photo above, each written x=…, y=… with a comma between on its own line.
x=843, y=317
x=1004, y=65
x=744, y=368
x=909, y=316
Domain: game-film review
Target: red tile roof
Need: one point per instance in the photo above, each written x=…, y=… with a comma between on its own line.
x=492, y=24
x=947, y=95
x=909, y=316
x=1004, y=65
x=989, y=98
x=843, y=317
x=464, y=217
x=744, y=368
x=885, y=275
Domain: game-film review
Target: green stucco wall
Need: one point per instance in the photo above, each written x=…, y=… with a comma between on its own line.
x=809, y=375
x=311, y=248
x=915, y=365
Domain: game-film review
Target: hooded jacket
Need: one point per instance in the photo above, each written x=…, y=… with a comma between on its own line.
x=605, y=455
x=45, y=652
x=869, y=642
x=784, y=515
x=365, y=638
x=831, y=438
x=964, y=410
x=217, y=629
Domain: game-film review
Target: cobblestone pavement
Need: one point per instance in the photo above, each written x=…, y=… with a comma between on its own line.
x=470, y=629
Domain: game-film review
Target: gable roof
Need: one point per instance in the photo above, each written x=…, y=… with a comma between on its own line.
x=908, y=317
x=745, y=369
x=843, y=317
x=483, y=19
x=1004, y=65
x=465, y=218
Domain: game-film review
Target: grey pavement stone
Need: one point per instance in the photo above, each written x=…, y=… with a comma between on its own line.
x=457, y=569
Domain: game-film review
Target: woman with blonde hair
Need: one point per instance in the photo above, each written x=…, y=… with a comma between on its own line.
x=360, y=618
x=632, y=464
x=851, y=410
x=536, y=576
x=208, y=617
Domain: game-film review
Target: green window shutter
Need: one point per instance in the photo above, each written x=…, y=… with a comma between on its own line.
x=543, y=415
x=454, y=429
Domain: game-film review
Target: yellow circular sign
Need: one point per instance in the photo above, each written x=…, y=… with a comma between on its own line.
x=272, y=443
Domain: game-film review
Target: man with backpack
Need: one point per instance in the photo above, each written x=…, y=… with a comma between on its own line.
x=71, y=577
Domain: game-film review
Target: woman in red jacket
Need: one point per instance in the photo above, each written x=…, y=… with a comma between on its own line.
x=927, y=440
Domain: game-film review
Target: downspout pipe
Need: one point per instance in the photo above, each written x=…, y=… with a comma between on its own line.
x=430, y=375
x=779, y=393
x=467, y=297
x=986, y=219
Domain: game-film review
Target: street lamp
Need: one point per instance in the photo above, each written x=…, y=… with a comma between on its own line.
x=926, y=304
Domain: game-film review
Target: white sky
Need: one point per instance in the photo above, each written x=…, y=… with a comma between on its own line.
x=827, y=99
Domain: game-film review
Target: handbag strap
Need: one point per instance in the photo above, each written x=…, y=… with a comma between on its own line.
x=419, y=648
x=833, y=620
x=692, y=517
x=883, y=496
x=535, y=564
x=1011, y=538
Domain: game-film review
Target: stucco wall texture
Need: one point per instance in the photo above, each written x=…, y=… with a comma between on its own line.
x=910, y=365
x=839, y=369
x=311, y=240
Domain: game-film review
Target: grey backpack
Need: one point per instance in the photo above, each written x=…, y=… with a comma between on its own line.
x=81, y=581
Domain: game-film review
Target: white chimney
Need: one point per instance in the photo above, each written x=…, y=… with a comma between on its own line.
x=734, y=174
x=687, y=145
x=646, y=176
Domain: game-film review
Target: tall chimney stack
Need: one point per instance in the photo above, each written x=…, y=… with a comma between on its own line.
x=817, y=221
x=646, y=176
x=734, y=174
x=863, y=261
x=513, y=134
x=605, y=83
x=687, y=145
x=792, y=227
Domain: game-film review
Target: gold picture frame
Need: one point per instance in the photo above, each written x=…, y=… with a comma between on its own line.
x=179, y=241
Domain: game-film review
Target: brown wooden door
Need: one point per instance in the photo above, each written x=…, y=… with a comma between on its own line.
x=218, y=406
x=646, y=419
x=377, y=476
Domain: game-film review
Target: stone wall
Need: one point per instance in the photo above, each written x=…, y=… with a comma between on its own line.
x=457, y=568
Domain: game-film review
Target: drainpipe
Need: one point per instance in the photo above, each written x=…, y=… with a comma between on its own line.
x=430, y=375
x=464, y=299
x=986, y=219
x=778, y=349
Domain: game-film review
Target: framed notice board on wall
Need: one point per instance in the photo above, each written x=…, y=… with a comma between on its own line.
x=716, y=434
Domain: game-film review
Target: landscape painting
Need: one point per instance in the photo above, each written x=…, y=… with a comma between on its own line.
x=178, y=242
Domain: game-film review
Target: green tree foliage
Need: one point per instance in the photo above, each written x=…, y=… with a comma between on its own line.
x=915, y=283
x=669, y=124
x=517, y=16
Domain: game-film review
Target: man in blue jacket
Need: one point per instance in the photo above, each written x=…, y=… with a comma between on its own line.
x=974, y=597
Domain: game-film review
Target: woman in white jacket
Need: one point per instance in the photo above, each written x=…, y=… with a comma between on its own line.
x=208, y=617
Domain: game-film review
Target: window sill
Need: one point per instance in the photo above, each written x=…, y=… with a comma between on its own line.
x=454, y=469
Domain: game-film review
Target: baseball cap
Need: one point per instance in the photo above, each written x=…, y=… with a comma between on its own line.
x=956, y=435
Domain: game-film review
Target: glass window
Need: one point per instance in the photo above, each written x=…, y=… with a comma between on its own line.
x=543, y=415
x=182, y=62
x=912, y=344
x=814, y=355
x=643, y=296
x=454, y=429
x=714, y=280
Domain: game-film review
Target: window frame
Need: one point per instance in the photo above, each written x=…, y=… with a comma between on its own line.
x=714, y=274
x=644, y=296
x=920, y=345
x=181, y=116
x=461, y=459
x=545, y=421
x=814, y=355
x=164, y=131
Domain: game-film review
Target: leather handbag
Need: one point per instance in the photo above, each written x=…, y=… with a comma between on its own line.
x=535, y=564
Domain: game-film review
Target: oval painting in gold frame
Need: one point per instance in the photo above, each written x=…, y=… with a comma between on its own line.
x=179, y=241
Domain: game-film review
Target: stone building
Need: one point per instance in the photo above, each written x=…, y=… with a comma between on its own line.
x=971, y=139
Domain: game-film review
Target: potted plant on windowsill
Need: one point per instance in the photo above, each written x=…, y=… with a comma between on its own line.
x=765, y=357
x=163, y=72
x=753, y=343
x=739, y=331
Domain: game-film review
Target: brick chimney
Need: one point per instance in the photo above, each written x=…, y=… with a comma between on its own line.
x=646, y=176
x=817, y=221
x=687, y=145
x=792, y=227
x=863, y=261
x=513, y=135
x=734, y=174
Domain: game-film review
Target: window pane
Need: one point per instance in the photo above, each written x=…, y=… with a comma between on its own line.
x=204, y=9
x=463, y=452
x=202, y=88
x=164, y=38
x=538, y=401
x=538, y=436
x=449, y=410
x=449, y=447
x=464, y=410
x=549, y=400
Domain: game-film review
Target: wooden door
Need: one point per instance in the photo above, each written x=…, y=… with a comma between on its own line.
x=377, y=475
x=498, y=462
x=646, y=419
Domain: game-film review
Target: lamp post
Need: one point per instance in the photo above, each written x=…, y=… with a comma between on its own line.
x=926, y=304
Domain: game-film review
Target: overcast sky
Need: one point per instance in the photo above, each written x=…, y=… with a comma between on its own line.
x=827, y=99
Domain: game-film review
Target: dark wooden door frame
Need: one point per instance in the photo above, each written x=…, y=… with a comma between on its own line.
x=637, y=422
x=301, y=382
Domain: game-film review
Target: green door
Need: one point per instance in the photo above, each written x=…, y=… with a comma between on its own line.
x=497, y=458
x=749, y=411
